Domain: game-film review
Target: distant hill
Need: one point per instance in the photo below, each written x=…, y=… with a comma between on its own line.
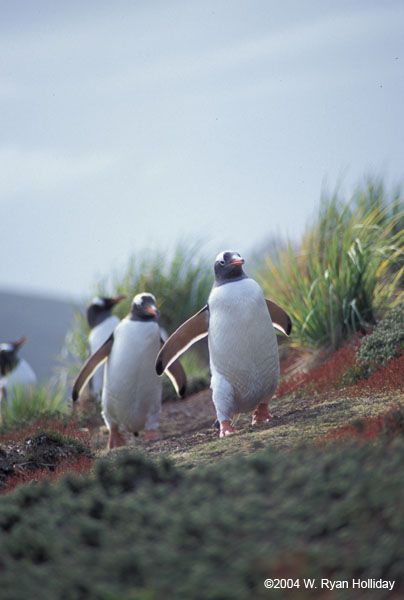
x=43, y=321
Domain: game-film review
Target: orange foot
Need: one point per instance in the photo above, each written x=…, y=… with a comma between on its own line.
x=261, y=414
x=150, y=435
x=115, y=439
x=226, y=429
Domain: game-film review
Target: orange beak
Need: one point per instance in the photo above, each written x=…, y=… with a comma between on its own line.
x=20, y=342
x=151, y=310
x=117, y=299
x=236, y=261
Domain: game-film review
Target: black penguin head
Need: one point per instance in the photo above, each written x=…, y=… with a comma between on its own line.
x=228, y=267
x=100, y=309
x=144, y=308
x=8, y=355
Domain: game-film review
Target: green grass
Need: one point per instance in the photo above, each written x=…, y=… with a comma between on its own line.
x=297, y=421
x=344, y=274
x=27, y=405
x=180, y=282
x=340, y=278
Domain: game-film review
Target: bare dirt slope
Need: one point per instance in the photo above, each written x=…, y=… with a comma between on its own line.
x=189, y=437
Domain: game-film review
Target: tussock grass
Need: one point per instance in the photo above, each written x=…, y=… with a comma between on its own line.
x=344, y=274
x=25, y=405
x=180, y=282
x=339, y=280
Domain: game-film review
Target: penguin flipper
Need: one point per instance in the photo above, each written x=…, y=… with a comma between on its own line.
x=91, y=364
x=280, y=319
x=193, y=330
x=178, y=378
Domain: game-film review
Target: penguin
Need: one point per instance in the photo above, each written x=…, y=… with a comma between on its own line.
x=132, y=391
x=14, y=371
x=243, y=352
x=102, y=323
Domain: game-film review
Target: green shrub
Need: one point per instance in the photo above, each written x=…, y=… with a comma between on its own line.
x=385, y=342
x=49, y=446
x=144, y=529
x=346, y=271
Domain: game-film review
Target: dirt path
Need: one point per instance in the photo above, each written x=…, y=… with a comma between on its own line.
x=188, y=436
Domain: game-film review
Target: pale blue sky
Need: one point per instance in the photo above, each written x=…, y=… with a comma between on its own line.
x=128, y=125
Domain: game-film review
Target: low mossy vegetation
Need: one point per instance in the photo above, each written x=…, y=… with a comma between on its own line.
x=48, y=446
x=385, y=342
x=144, y=529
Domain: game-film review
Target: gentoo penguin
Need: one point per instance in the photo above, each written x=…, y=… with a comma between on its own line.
x=102, y=323
x=243, y=350
x=131, y=395
x=14, y=371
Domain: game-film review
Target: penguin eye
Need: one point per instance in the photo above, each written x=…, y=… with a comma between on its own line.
x=221, y=262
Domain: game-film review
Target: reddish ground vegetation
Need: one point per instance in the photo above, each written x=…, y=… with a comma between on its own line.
x=45, y=449
x=389, y=424
x=18, y=466
x=325, y=377
x=79, y=465
x=387, y=378
x=69, y=426
x=331, y=374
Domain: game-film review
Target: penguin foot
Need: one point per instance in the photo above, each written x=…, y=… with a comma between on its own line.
x=261, y=414
x=115, y=439
x=150, y=435
x=226, y=429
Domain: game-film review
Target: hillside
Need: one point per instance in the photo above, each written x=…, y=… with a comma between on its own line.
x=43, y=321
x=189, y=437
x=214, y=518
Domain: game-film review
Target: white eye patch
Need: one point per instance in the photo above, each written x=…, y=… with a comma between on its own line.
x=225, y=255
x=98, y=301
x=139, y=298
x=220, y=256
x=6, y=348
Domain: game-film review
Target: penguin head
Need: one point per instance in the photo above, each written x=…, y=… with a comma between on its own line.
x=8, y=355
x=144, y=308
x=228, y=267
x=100, y=308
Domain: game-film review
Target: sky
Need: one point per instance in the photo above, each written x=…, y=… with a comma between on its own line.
x=130, y=126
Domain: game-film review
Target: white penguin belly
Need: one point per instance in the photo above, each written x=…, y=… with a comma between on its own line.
x=132, y=390
x=243, y=350
x=99, y=335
